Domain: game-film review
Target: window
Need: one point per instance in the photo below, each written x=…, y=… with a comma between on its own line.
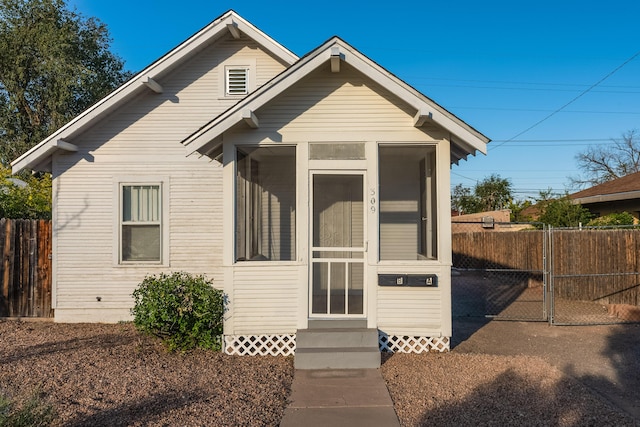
x=266, y=204
x=408, y=207
x=141, y=223
x=237, y=81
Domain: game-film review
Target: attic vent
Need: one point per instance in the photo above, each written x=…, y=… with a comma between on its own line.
x=237, y=81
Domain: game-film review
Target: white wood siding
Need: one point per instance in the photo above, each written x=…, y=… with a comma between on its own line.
x=143, y=140
x=265, y=298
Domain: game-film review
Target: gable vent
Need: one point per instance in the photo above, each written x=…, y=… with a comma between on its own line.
x=237, y=81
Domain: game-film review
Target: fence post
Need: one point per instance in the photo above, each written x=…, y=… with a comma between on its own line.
x=550, y=289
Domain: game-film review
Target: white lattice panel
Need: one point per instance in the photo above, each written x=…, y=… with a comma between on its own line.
x=406, y=344
x=260, y=345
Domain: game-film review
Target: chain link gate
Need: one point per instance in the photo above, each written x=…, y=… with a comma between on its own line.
x=499, y=271
x=529, y=272
x=594, y=275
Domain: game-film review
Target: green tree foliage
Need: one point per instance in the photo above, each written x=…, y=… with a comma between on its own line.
x=26, y=198
x=54, y=64
x=613, y=219
x=517, y=208
x=561, y=212
x=184, y=310
x=492, y=193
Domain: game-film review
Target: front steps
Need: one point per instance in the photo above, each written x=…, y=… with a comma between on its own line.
x=337, y=344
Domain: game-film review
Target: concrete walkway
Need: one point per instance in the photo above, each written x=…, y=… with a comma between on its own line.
x=353, y=397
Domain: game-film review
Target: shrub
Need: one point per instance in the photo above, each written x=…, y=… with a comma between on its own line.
x=617, y=218
x=184, y=310
x=32, y=412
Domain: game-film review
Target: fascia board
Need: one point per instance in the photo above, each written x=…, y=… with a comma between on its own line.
x=134, y=85
x=629, y=195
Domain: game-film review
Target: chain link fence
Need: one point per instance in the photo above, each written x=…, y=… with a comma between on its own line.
x=498, y=271
x=525, y=271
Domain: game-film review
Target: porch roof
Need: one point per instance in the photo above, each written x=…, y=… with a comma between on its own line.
x=465, y=139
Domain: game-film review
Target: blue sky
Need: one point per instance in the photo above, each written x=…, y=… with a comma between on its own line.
x=501, y=66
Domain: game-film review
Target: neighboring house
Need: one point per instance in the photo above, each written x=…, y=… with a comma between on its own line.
x=306, y=188
x=499, y=220
x=480, y=221
x=618, y=195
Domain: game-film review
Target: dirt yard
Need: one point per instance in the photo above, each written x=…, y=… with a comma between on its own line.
x=109, y=375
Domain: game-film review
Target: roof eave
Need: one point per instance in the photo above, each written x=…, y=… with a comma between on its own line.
x=465, y=137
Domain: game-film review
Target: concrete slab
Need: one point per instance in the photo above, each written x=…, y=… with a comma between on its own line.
x=353, y=397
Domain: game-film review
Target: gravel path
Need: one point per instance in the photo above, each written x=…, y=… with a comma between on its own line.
x=109, y=375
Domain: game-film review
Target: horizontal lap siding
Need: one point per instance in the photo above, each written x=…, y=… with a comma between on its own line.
x=142, y=139
x=265, y=299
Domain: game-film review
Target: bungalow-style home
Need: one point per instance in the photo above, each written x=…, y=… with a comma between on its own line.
x=618, y=195
x=313, y=190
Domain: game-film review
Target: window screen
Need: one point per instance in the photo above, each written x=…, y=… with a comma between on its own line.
x=408, y=208
x=266, y=204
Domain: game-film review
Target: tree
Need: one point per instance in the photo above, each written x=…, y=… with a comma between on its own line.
x=28, y=199
x=561, y=212
x=54, y=64
x=604, y=163
x=492, y=193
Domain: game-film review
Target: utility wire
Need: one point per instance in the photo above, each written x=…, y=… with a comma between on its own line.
x=544, y=119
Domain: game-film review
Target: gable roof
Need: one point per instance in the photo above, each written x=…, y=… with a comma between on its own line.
x=627, y=187
x=465, y=140
x=39, y=157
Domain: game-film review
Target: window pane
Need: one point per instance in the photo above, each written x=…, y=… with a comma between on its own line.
x=408, y=222
x=266, y=204
x=140, y=242
x=141, y=223
x=325, y=151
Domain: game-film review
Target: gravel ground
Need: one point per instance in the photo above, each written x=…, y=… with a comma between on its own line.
x=109, y=375
x=453, y=389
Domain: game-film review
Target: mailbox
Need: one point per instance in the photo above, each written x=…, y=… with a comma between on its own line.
x=412, y=280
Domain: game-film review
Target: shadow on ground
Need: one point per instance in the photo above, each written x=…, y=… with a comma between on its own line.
x=604, y=358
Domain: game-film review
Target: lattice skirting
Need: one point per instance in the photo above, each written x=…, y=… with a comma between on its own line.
x=260, y=345
x=285, y=345
x=407, y=344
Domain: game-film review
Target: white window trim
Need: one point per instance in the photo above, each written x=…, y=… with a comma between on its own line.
x=247, y=63
x=118, y=184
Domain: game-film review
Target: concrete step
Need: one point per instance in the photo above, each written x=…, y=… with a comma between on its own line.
x=337, y=323
x=337, y=358
x=348, y=347
x=335, y=338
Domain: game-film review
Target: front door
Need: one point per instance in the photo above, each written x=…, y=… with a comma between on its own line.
x=337, y=282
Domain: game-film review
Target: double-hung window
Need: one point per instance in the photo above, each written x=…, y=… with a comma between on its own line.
x=141, y=223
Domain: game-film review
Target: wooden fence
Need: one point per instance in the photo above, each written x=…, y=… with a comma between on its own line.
x=25, y=270
x=599, y=265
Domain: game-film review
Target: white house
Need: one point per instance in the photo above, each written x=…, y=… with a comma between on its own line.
x=307, y=188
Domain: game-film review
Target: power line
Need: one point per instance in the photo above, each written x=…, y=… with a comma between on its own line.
x=584, y=92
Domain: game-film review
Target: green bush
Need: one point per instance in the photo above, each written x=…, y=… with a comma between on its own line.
x=184, y=310
x=32, y=412
x=617, y=218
